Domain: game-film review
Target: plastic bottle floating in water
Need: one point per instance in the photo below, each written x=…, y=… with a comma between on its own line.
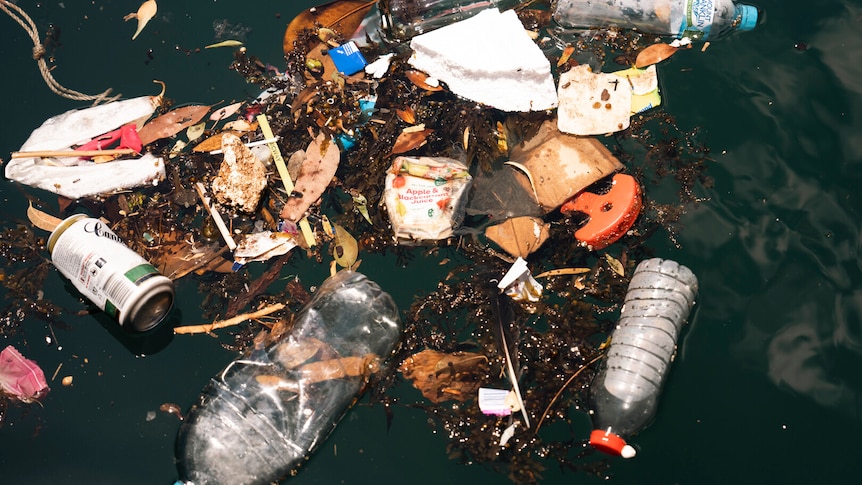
x=696, y=19
x=625, y=392
x=266, y=412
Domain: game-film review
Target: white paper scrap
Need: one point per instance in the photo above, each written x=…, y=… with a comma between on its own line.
x=493, y=402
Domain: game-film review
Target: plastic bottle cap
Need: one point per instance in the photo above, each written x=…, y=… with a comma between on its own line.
x=610, y=443
x=747, y=17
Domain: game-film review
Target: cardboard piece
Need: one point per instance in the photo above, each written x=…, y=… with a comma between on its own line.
x=561, y=165
x=593, y=104
x=519, y=236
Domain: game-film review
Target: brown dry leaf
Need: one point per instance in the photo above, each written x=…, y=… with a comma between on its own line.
x=213, y=143
x=519, y=236
x=420, y=79
x=406, y=115
x=343, y=16
x=225, y=112
x=441, y=376
x=171, y=123
x=567, y=53
x=42, y=220
x=654, y=54
x=408, y=140
x=302, y=99
x=321, y=162
x=320, y=52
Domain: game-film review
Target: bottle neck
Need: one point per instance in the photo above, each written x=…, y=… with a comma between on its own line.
x=404, y=19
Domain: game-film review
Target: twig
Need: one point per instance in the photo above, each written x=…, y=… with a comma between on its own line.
x=219, y=222
x=568, y=381
x=209, y=327
x=73, y=153
x=199, y=264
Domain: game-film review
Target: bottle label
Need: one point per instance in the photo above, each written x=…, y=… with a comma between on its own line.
x=699, y=15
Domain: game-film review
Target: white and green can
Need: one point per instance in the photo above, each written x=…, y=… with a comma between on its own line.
x=118, y=280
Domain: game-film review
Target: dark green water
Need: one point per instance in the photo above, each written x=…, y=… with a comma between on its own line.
x=765, y=388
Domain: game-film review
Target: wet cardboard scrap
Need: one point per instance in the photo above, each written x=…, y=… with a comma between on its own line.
x=519, y=236
x=593, y=103
x=561, y=165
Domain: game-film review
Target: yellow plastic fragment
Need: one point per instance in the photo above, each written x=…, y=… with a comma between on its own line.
x=304, y=226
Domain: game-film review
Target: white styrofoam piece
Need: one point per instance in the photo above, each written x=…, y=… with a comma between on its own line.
x=489, y=58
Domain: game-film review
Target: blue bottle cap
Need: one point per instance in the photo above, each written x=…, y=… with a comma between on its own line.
x=747, y=17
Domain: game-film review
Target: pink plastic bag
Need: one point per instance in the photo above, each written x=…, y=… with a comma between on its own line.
x=20, y=377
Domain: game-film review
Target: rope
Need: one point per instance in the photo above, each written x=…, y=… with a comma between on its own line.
x=20, y=16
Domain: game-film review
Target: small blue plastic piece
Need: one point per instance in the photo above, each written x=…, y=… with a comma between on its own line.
x=345, y=141
x=347, y=58
x=366, y=108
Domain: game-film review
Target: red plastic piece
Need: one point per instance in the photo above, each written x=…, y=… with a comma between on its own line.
x=126, y=134
x=611, y=214
x=607, y=442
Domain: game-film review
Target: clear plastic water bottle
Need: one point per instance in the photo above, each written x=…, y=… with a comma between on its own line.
x=403, y=19
x=625, y=392
x=696, y=19
x=270, y=409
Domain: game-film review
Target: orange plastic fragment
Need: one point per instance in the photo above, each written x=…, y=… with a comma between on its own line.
x=611, y=214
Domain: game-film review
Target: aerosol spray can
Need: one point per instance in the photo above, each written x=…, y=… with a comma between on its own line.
x=118, y=280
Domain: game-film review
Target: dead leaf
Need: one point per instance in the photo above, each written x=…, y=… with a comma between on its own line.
x=240, y=125
x=567, y=53
x=344, y=247
x=654, y=54
x=225, y=43
x=171, y=123
x=615, y=265
x=406, y=115
x=441, y=376
x=42, y=220
x=562, y=271
x=519, y=236
x=195, y=131
x=422, y=80
x=343, y=16
x=145, y=12
x=213, y=143
x=408, y=140
x=321, y=162
x=225, y=112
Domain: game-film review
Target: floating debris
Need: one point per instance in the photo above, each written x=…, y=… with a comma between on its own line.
x=241, y=177
x=350, y=142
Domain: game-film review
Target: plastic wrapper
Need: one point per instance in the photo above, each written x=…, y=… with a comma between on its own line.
x=267, y=411
x=425, y=197
x=21, y=377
